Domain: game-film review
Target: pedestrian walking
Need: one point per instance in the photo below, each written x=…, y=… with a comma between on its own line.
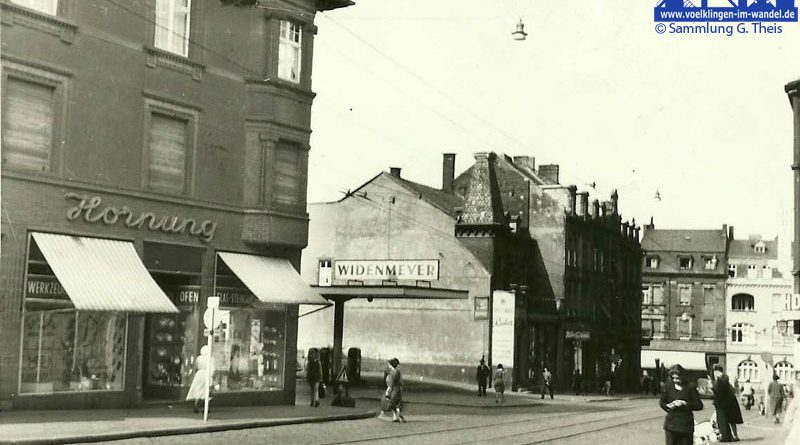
x=499, y=382
x=644, y=384
x=679, y=399
x=748, y=394
x=776, y=398
x=394, y=391
x=197, y=390
x=577, y=382
x=727, y=407
x=314, y=376
x=547, y=382
x=791, y=422
x=482, y=376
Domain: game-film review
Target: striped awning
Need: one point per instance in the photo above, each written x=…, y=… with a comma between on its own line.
x=272, y=280
x=101, y=274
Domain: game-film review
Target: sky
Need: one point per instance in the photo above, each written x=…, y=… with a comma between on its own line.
x=702, y=119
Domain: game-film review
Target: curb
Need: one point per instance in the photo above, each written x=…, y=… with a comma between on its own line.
x=105, y=437
x=456, y=405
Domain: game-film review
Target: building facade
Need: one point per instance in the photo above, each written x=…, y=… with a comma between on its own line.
x=152, y=157
x=683, y=297
x=504, y=231
x=759, y=342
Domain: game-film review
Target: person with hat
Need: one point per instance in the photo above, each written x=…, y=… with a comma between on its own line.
x=394, y=391
x=482, y=376
x=499, y=382
x=728, y=412
x=776, y=397
x=679, y=399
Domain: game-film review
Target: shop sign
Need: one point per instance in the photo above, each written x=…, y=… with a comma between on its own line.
x=577, y=335
x=503, y=304
x=44, y=287
x=92, y=210
x=235, y=297
x=188, y=296
x=363, y=270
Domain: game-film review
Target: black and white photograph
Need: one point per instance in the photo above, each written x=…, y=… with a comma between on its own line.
x=441, y=222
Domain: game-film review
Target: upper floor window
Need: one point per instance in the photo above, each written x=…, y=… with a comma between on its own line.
x=172, y=26
x=647, y=294
x=684, y=326
x=747, y=370
x=685, y=294
x=752, y=271
x=760, y=247
x=287, y=177
x=28, y=118
x=658, y=294
x=743, y=302
x=45, y=6
x=732, y=270
x=685, y=262
x=742, y=333
x=170, y=147
x=710, y=263
x=289, y=52
x=651, y=262
x=766, y=272
x=253, y=169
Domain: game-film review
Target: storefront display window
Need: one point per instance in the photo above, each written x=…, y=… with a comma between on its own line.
x=66, y=350
x=172, y=340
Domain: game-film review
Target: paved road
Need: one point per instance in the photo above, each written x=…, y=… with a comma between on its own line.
x=622, y=422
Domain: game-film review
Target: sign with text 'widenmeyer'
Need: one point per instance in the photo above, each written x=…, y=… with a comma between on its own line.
x=364, y=270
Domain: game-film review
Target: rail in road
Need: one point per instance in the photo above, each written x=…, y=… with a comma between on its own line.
x=577, y=424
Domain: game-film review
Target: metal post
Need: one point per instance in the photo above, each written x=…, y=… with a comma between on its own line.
x=209, y=361
x=338, y=332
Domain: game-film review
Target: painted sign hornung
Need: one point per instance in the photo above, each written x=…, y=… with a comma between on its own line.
x=366, y=270
x=503, y=304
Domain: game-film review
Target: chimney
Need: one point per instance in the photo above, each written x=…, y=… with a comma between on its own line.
x=595, y=209
x=395, y=171
x=730, y=232
x=572, y=199
x=526, y=161
x=583, y=204
x=549, y=173
x=624, y=228
x=448, y=171
x=650, y=226
x=615, y=202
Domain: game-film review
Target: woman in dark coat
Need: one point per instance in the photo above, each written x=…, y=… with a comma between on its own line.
x=728, y=412
x=394, y=391
x=679, y=399
x=314, y=377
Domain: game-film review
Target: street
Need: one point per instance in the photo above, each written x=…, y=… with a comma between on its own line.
x=627, y=421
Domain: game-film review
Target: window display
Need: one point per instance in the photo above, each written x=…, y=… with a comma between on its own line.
x=172, y=346
x=67, y=350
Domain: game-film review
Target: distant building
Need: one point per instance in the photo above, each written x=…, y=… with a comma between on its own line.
x=683, y=297
x=500, y=228
x=758, y=342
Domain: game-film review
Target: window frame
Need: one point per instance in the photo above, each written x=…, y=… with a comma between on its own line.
x=690, y=260
x=651, y=262
x=746, y=333
x=301, y=151
x=54, y=12
x=743, y=301
x=59, y=81
x=747, y=369
x=294, y=47
x=732, y=271
x=710, y=263
x=681, y=288
x=170, y=28
x=191, y=116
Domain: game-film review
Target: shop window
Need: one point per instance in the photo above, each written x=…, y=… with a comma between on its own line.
x=45, y=6
x=290, y=51
x=69, y=351
x=172, y=26
x=743, y=302
x=287, y=179
x=747, y=370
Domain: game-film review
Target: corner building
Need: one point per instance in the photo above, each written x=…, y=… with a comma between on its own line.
x=154, y=154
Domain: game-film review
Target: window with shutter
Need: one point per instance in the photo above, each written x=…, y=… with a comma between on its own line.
x=286, y=186
x=28, y=125
x=167, y=154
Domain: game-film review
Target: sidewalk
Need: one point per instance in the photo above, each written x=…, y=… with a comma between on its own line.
x=68, y=426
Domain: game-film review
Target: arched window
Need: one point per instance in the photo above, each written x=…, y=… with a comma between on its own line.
x=785, y=372
x=742, y=333
x=747, y=370
x=743, y=302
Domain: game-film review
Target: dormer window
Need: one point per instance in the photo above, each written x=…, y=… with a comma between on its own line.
x=760, y=247
x=710, y=263
x=685, y=262
x=651, y=262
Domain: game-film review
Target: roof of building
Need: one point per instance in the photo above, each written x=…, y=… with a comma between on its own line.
x=443, y=200
x=680, y=240
x=746, y=249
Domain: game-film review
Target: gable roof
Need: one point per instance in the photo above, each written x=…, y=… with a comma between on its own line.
x=446, y=202
x=655, y=240
x=744, y=249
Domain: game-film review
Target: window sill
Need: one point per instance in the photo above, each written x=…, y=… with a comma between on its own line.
x=14, y=14
x=160, y=58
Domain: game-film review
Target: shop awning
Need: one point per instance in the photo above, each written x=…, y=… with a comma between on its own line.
x=272, y=280
x=101, y=274
x=691, y=361
x=392, y=292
